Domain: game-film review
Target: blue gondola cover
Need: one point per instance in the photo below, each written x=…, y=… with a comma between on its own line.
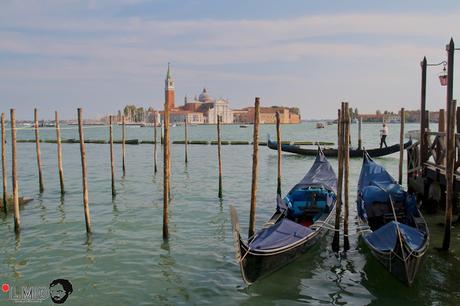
x=281, y=234
x=386, y=237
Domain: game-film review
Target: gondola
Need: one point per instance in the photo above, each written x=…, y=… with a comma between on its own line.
x=389, y=222
x=301, y=218
x=330, y=152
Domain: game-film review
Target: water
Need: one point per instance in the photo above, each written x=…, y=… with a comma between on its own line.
x=126, y=262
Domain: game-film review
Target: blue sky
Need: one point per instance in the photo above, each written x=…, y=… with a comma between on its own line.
x=103, y=54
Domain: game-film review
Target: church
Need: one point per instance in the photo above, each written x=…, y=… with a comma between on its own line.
x=202, y=110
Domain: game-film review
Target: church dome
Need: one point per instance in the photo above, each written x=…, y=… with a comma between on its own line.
x=204, y=96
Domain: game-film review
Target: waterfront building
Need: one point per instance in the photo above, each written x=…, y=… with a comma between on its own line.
x=267, y=115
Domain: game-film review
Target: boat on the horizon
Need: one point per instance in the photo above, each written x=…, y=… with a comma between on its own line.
x=320, y=125
x=243, y=126
x=332, y=152
x=389, y=222
x=301, y=218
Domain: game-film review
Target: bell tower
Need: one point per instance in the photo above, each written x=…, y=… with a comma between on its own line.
x=169, y=89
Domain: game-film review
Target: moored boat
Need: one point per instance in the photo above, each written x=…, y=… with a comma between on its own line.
x=390, y=223
x=331, y=152
x=301, y=218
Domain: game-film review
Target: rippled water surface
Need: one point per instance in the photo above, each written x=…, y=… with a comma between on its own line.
x=126, y=262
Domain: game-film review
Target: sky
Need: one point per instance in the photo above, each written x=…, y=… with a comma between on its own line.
x=103, y=54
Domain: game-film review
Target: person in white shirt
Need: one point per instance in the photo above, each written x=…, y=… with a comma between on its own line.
x=383, y=135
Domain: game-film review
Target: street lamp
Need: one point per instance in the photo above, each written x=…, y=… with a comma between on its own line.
x=443, y=78
x=443, y=75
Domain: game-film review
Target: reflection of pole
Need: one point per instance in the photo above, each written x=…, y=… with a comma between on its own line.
x=278, y=145
x=401, y=146
x=423, y=119
x=450, y=143
x=255, y=155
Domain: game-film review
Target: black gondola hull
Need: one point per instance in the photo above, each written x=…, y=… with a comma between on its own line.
x=378, y=152
x=256, y=265
x=404, y=270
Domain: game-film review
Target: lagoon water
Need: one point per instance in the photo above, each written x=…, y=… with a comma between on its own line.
x=126, y=262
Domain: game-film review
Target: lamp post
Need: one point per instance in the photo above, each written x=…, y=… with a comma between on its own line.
x=424, y=124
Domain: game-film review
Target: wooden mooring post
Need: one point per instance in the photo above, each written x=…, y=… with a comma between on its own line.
x=112, y=158
x=37, y=147
x=219, y=156
x=14, y=171
x=450, y=145
x=401, y=145
x=278, y=146
x=59, y=151
x=360, y=142
x=123, y=145
x=346, y=164
x=5, y=190
x=186, y=140
x=166, y=171
x=255, y=153
x=155, y=169
x=338, y=204
x=442, y=120
x=83, y=172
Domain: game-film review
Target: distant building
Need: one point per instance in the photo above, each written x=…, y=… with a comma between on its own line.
x=267, y=115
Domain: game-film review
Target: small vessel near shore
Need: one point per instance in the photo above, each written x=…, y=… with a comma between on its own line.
x=389, y=222
x=331, y=152
x=301, y=219
x=320, y=125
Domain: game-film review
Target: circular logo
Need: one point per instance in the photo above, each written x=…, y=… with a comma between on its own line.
x=60, y=290
x=5, y=287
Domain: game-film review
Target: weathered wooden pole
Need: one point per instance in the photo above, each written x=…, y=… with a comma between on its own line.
x=338, y=205
x=255, y=153
x=83, y=172
x=457, y=120
x=423, y=120
x=166, y=171
x=37, y=146
x=17, y=218
x=401, y=146
x=112, y=157
x=162, y=132
x=5, y=190
x=123, y=145
x=442, y=121
x=219, y=156
x=155, y=169
x=186, y=140
x=450, y=144
x=360, y=142
x=59, y=151
x=278, y=145
x=346, y=163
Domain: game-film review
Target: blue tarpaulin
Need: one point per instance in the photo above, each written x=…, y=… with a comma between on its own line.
x=320, y=174
x=283, y=233
x=386, y=237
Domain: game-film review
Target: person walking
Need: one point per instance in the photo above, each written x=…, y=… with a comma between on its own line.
x=383, y=135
